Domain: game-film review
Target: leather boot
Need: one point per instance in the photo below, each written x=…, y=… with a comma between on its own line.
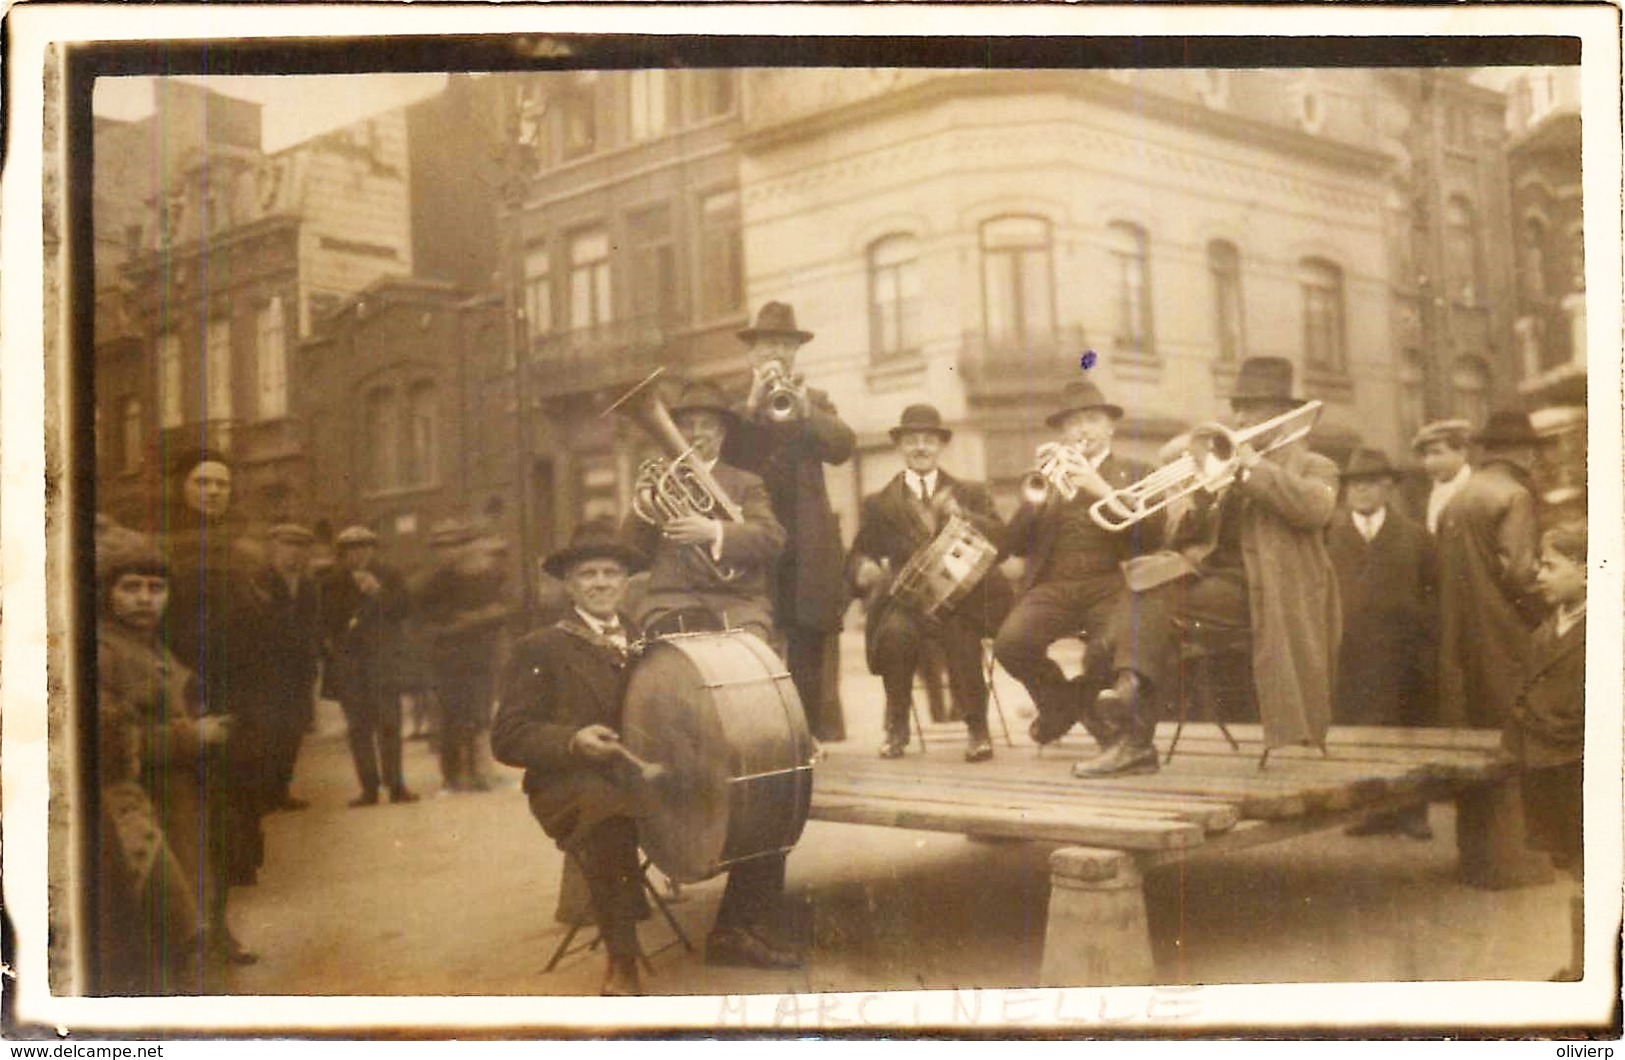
x=621, y=978
x=1103, y=729
x=1126, y=708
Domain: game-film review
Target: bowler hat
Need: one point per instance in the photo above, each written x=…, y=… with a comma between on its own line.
x=701, y=396
x=1453, y=431
x=1506, y=429
x=1368, y=463
x=1265, y=379
x=291, y=533
x=593, y=539
x=352, y=536
x=1079, y=395
x=776, y=318
x=921, y=418
x=450, y=532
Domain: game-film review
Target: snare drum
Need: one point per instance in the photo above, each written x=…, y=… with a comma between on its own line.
x=940, y=575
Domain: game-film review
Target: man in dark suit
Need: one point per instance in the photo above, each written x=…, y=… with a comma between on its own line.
x=1073, y=579
x=1384, y=565
x=897, y=522
x=364, y=603
x=788, y=445
x=289, y=649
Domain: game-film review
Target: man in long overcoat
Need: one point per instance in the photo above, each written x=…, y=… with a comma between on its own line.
x=1489, y=604
x=789, y=453
x=1265, y=568
x=897, y=522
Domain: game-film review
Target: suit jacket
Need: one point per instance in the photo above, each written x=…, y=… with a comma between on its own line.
x=679, y=577
x=558, y=680
x=1035, y=529
x=891, y=527
x=1385, y=586
x=364, y=635
x=1487, y=545
x=1547, y=723
x=790, y=458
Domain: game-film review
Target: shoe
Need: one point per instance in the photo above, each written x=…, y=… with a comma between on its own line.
x=979, y=749
x=893, y=748
x=477, y=783
x=402, y=795
x=225, y=949
x=1416, y=826
x=621, y=978
x=1047, y=728
x=738, y=947
x=366, y=798
x=1125, y=758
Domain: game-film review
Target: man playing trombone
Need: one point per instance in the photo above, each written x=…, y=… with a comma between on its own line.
x=1073, y=579
x=1256, y=559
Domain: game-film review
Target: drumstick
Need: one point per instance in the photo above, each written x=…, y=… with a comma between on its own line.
x=648, y=772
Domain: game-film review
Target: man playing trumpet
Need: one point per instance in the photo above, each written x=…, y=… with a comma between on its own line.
x=1073, y=580
x=1256, y=560
x=896, y=523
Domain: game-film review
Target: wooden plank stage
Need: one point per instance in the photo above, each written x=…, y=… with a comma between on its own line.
x=1209, y=799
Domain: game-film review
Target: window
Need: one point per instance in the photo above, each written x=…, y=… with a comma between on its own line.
x=538, y=290
x=131, y=443
x=590, y=302
x=1229, y=321
x=714, y=93
x=1412, y=393
x=648, y=103
x=270, y=355
x=1321, y=283
x=722, y=255
x=171, y=404
x=420, y=447
x=580, y=118
x=1461, y=250
x=1018, y=283
x=1533, y=259
x=1131, y=269
x=654, y=264
x=1470, y=390
x=217, y=371
x=894, y=296
x=383, y=433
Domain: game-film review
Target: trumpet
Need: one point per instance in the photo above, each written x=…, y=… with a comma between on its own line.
x=1122, y=508
x=784, y=395
x=667, y=489
x=1050, y=474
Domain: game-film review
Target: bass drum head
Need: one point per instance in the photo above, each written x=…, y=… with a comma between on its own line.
x=720, y=713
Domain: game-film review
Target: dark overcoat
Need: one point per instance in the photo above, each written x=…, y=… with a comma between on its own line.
x=808, y=590
x=1036, y=529
x=1386, y=590
x=1547, y=724
x=1487, y=548
x=558, y=680
x=365, y=636
x=892, y=527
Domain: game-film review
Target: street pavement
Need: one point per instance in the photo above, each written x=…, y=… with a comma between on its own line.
x=457, y=894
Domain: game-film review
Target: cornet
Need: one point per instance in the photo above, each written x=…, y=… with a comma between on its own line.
x=784, y=395
x=1122, y=508
x=1050, y=474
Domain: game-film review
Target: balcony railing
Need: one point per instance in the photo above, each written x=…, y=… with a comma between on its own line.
x=1009, y=368
x=586, y=358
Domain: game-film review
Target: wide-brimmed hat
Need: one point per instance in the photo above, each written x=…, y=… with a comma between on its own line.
x=354, y=536
x=776, y=318
x=1367, y=463
x=1506, y=429
x=1453, y=431
x=594, y=539
x=1265, y=379
x=1081, y=394
x=701, y=396
x=449, y=533
x=920, y=418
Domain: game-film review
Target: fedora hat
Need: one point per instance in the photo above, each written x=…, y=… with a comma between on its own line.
x=701, y=396
x=920, y=418
x=1265, y=379
x=1453, y=431
x=593, y=539
x=776, y=318
x=1506, y=429
x=1081, y=394
x=1367, y=463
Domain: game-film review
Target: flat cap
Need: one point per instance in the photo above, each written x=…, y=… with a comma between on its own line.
x=292, y=533
x=451, y=532
x=1453, y=431
x=355, y=535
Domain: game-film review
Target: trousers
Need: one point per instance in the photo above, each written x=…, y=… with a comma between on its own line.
x=373, y=724
x=896, y=642
x=1048, y=612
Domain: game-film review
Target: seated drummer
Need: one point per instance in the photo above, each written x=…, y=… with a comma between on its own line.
x=901, y=519
x=558, y=714
x=709, y=573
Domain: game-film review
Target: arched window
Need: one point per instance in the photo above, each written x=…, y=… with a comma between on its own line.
x=1229, y=314
x=1324, y=342
x=1461, y=250
x=217, y=385
x=171, y=398
x=1131, y=272
x=1470, y=389
x=421, y=429
x=131, y=441
x=1018, y=283
x=894, y=296
x=271, y=357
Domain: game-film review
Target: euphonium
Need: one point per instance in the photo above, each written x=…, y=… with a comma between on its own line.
x=680, y=485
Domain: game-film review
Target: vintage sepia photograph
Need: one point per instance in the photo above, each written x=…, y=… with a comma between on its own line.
x=819, y=534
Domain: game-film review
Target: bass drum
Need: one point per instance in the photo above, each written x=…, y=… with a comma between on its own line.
x=719, y=712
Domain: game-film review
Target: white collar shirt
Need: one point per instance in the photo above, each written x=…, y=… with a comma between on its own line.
x=1441, y=494
x=1370, y=525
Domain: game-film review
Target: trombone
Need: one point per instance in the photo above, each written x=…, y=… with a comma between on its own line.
x=1122, y=508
